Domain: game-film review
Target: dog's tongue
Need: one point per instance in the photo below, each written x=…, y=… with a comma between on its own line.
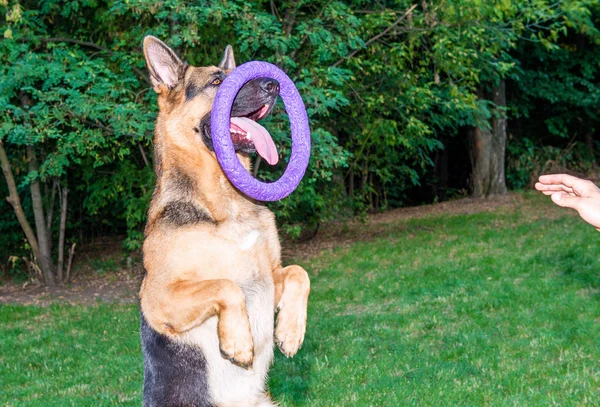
x=260, y=137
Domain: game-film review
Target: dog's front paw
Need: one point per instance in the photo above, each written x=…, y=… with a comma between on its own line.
x=236, y=344
x=241, y=354
x=291, y=327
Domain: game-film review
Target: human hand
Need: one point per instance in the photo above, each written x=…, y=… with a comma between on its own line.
x=572, y=192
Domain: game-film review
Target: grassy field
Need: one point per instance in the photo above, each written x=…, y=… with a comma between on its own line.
x=491, y=309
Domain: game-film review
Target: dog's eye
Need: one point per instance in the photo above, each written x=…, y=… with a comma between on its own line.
x=216, y=82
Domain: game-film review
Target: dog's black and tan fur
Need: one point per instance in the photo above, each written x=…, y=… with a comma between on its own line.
x=212, y=256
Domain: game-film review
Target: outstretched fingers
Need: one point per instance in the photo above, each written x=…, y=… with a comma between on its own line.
x=559, y=179
x=565, y=183
x=550, y=189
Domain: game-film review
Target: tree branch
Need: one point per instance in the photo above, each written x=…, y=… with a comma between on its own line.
x=143, y=154
x=71, y=253
x=61, y=236
x=290, y=19
x=74, y=41
x=15, y=201
x=378, y=36
x=256, y=166
x=45, y=259
x=97, y=123
x=274, y=10
x=50, y=211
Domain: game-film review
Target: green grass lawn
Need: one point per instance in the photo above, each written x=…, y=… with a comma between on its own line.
x=492, y=309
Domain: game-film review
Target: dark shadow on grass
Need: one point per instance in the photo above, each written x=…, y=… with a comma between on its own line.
x=289, y=379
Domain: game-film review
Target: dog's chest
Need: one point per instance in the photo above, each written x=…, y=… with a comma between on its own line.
x=249, y=239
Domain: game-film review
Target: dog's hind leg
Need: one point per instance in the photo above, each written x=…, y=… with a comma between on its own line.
x=292, y=287
x=190, y=303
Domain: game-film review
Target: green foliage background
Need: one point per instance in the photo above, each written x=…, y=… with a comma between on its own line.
x=386, y=92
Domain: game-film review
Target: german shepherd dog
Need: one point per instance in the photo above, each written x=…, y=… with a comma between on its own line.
x=214, y=279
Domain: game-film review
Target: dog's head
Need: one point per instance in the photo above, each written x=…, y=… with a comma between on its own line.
x=186, y=95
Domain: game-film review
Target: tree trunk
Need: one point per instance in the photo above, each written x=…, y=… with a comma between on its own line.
x=61, y=236
x=363, y=180
x=351, y=184
x=50, y=212
x=15, y=201
x=69, y=263
x=589, y=143
x=480, y=140
x=487, y=150
x=370, y=184
x=45, y=259
x=498, y=153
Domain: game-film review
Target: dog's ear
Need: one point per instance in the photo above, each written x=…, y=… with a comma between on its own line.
x=164, y=66
x=228, y=62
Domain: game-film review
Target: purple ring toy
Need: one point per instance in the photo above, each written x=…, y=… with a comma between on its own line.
x=221, y=136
